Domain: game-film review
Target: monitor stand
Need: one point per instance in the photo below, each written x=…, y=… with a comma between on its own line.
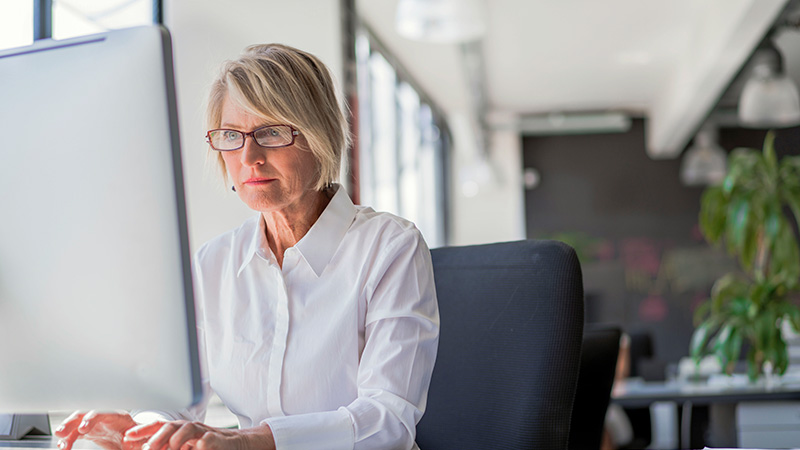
x=17, y=426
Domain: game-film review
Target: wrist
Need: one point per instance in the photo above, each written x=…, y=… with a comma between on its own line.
x=259, y=438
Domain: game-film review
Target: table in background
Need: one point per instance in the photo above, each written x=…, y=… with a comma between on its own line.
x=634, y=393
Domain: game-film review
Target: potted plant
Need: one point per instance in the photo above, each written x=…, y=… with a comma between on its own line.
x=751, y=212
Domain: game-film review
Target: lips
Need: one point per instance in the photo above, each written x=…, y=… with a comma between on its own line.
x=258, y=180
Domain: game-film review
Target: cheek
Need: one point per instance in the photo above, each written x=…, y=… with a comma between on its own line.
x=307, y=167
x=230, y=163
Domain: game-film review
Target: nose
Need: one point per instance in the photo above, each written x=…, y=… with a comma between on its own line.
x=252, y=153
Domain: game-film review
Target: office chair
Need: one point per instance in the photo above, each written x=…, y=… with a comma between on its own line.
x=509, y=349
x=595, y=379
x=643, y=364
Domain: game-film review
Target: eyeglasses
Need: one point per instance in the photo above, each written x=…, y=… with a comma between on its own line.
x=271, y=136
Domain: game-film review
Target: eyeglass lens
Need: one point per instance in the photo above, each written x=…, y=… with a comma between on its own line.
x=272, y=136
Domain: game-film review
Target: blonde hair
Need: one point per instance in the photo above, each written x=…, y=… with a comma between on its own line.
x=284, y=85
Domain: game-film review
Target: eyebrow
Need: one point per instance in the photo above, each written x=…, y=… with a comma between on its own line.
x=235, y=127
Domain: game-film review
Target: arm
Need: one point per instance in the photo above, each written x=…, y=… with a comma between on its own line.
x=401, y=338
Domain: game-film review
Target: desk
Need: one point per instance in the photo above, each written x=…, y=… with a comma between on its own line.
x=634, y=393
x=44, y=442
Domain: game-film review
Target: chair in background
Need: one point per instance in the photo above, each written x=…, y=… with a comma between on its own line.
x=643, y=364
x=509, y=350
x=595, y=379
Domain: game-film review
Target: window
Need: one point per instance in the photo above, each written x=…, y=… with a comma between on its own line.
x=402, y=149
x=63, y=19
x=16, y=24
x=80, y=17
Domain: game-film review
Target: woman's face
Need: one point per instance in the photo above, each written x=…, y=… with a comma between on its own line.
x=268, y=179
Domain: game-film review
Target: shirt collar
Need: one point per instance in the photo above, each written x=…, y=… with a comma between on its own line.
x=258, y=242
x=321, y=241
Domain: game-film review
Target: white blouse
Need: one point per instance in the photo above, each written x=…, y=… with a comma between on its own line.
x=335, y=349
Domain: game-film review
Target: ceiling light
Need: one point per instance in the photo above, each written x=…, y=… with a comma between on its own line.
x=705, y=162
x=574, y=123
x=769, y=98
x=441, y=21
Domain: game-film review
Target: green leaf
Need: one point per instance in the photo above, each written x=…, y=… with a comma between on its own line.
x=726, y=288
x=700, y=337
x=741, y=307
x=713, y=207
x=758, y=293
x=721, y=343
x=772, y=224
x=769, y=150
x=791, y=313
x=789, y=174
x=733, y=346
x=785, y=258
x=738, y=215
x=753, y=365
x=781, y=357
x=703, y=309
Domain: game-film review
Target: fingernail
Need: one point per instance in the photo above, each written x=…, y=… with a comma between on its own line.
x=61, y=443
x=146, y=447
x=84, y=424
x=60, y=429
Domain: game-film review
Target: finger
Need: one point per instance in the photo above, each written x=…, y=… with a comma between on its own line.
x=143, y=431
x=186, y=432
x=159, y=440
x=69, y=424
x=190, y=444
x=67, y=442
x=90, y=419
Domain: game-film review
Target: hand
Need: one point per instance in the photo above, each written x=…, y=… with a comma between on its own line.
x=183, y=435
x=104, y=429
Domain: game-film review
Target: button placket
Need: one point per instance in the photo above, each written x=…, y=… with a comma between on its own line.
x=278, y=351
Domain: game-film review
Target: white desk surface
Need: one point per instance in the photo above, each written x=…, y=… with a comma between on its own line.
x=217, y=415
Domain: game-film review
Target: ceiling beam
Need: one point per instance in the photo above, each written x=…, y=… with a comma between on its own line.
x=702, y=76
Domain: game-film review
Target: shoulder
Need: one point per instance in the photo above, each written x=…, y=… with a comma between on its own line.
x=383, y=228
x=386, y=240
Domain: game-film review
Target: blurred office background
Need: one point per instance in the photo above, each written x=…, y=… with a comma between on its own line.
x=594, y=122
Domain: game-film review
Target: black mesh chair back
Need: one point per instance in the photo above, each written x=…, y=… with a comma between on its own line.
x=595, y=379
x=507, y=366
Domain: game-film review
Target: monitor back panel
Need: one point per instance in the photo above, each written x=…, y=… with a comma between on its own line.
x=96, y=307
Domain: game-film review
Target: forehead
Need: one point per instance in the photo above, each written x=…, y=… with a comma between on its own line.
x=233, y=115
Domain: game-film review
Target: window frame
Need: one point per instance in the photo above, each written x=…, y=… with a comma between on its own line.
x=43, y=17
x=443, y=141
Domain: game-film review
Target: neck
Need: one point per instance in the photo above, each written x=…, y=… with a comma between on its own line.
x=286, y=227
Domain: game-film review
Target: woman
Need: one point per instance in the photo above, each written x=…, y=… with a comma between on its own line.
x=317, y=319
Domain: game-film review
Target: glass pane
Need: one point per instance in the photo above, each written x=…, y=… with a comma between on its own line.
x=80, y=17
x=16, y=23
x=431, y=211
x=408, y=100
x=384, y=110
x=366, y=165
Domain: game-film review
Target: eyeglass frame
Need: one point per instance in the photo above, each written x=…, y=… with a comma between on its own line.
x=252, y=135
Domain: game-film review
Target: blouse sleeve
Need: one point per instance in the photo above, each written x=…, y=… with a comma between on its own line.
x=401, y=339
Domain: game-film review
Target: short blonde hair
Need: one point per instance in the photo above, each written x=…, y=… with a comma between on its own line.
x=287, y=86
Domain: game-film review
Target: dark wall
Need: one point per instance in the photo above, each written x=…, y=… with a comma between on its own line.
x=646, y=265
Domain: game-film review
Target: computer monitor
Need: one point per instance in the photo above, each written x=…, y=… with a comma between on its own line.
x=96, y=305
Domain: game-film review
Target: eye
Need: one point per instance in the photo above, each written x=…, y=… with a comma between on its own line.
x=230, y=135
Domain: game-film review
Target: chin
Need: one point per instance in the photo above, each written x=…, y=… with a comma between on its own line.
x=261, y=204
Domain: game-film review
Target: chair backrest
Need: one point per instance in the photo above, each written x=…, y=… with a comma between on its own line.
x=511, y=326
x=595, y=379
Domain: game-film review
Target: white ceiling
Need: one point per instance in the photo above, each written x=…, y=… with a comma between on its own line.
x=667, y=61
